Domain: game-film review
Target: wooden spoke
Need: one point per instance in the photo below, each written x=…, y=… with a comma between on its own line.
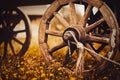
x=94, y=25
x=61, y=19
x=8, y=12
x=85, y=16
x=71, y=49
x=20, y=31
x=12, y=48
x=18, y=41
x=63, y=44
x=98, y=39
x=17, y=19
x=73, y=14
x=7, y=17
x=93, y=55
x=54, y=33
x=100, y=48
x=5, y=13
x=5, y=49
x=8, y=23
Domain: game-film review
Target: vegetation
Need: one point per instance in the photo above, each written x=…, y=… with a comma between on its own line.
x=32, y=67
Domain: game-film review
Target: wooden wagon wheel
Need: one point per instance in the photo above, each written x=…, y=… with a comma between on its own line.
x=100, y=35
x=14, y=32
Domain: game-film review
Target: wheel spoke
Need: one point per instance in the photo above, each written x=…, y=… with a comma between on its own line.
x=100, y=48
x=93, y=55
x=61, y=19
x=17, y=19
x=85, y=16
x=98, y=39
x=15, y=39
x=94, y=25
x=7, y=23
x=69, y=53
x=12, y=48
x=61, y=45
x=73, y=14
x=7, y=12
x=54, y=33
x=20, y=31
x=5, y=49
x=10, y=12
x=93, y=48
x=7, y=16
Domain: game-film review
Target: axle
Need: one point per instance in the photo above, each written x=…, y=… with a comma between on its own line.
x=71, y=32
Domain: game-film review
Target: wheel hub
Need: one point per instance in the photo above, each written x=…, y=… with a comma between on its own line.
x=77, y=32
x=8, y=34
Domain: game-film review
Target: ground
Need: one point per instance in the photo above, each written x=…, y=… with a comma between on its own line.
x=32, y=67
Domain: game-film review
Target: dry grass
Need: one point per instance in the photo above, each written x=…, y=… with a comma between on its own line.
x=32, y=67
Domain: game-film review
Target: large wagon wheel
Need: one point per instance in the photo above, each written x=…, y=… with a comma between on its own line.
x=14, y=32
x=100, y=35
